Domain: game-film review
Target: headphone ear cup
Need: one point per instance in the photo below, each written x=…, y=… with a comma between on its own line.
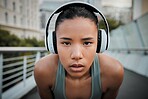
x=102, y=41
x=51, y=41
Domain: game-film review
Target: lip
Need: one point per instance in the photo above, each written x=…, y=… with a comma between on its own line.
x=76, y=67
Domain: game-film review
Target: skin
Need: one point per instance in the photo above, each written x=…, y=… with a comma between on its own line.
x=76, y=44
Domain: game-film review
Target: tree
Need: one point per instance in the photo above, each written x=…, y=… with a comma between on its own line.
x=7, y=39
x=113, y=24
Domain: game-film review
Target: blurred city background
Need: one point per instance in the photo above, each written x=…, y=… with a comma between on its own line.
x=22, y=33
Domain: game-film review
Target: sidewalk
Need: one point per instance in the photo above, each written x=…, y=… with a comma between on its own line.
x=134, y=86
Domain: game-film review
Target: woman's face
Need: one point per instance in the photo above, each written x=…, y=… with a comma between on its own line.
x=76, y=45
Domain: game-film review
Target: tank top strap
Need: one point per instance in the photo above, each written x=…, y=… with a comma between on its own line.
x=96, y=81
x=59, y=88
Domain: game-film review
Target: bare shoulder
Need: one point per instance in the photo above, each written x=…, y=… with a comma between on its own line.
x=110, y=63
x=112, y=71
x=45, y=70
x=47, y=61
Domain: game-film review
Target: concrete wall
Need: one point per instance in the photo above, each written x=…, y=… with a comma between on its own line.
x=131, y=37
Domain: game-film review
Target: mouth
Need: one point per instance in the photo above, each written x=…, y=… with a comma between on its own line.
x=76, y=67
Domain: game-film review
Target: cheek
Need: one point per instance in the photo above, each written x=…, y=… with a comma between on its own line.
x=64, y=61
x=90, y=57
x=61, y=50
x=63, y=56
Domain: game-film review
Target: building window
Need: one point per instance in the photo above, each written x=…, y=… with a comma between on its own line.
x=21, y=9
x=22, y=21
x=43, y=21
x=14, y=19
x=14, y=6
x=6, y=17
x=28, y=22
x=5, y=3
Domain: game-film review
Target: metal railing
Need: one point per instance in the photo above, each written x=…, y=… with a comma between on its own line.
x=130, y=50
x=17, y=70
x=134, y=59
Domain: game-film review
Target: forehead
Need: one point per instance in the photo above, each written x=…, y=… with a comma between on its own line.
x=77, y=25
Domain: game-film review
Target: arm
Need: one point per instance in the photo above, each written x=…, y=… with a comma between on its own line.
x=43, y=81
x=115, y=81
x=110, y=94
x=45, y=93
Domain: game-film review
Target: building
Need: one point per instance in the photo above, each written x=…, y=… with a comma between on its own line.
x=140, y=7
x=21, y=17
x=125, y=10
x=120, y=10
x=121, y=13
x=46, y=9
x=48, y=6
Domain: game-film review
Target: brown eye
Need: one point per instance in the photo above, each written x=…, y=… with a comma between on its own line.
x=66, y=43
x=87, y=43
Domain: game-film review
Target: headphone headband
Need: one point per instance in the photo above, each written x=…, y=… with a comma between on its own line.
x=80, y=4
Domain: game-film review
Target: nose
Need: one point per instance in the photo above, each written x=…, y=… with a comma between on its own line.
x=76, y=53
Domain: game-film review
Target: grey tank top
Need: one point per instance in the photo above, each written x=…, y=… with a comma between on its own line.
x=59, y=88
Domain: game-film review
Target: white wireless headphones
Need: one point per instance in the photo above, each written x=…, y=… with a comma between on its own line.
x=103, y=35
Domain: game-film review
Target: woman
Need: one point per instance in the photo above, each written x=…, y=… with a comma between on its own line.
x=77, y=71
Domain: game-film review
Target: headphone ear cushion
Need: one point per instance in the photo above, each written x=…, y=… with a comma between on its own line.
x=54, y=42
x=103, y=40
x=99, y=42
x=51, y=42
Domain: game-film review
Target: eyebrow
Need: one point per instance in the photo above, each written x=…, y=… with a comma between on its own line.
x=83, y=39
x=88, y=38
x=65, y=38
